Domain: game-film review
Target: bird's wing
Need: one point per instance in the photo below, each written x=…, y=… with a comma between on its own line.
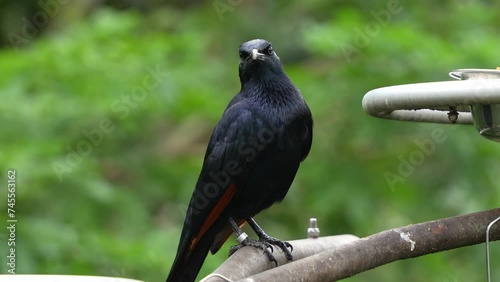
x=308, y=134
x=229, y=160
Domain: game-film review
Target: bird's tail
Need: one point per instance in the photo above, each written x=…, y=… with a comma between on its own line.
x=188, y=262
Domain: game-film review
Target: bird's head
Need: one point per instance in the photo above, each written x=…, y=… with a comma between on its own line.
x=258, y=60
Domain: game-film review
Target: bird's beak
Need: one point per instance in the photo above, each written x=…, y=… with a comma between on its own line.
x=256, y=55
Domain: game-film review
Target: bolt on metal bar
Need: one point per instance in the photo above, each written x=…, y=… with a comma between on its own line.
x=313, y=230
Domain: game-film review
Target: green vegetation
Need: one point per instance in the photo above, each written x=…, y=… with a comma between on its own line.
x=106, y=117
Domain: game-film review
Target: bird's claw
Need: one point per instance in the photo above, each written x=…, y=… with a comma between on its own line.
x=265, y=243
x=264, y=246
x=286, y=247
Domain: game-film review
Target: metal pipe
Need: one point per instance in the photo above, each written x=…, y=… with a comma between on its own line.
x=420, y=101
x=248, y=261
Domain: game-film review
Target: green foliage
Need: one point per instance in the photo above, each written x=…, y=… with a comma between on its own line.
x=106, y=122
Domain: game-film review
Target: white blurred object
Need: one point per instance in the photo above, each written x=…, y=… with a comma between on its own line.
x=61, y=278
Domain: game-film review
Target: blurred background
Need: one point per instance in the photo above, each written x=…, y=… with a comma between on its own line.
x=107, y=106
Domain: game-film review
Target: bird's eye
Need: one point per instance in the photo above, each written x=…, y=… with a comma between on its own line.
x=243, y=55
x=269, y=50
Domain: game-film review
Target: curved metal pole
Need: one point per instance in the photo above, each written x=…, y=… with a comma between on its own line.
x=418, y=102
x=488, y=270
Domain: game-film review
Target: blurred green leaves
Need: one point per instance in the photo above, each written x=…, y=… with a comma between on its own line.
x=119, y=210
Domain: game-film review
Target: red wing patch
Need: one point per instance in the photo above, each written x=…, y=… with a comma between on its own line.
x=214, y=214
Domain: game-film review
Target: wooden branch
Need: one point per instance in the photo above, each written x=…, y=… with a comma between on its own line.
x=385, y=247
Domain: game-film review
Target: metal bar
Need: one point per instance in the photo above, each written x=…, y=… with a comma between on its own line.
x=249, y=261
x=417, y=102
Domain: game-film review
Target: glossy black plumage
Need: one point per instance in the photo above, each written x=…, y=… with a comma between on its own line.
x=251, y=159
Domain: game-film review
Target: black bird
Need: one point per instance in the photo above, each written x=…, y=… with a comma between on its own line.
x=251, y=160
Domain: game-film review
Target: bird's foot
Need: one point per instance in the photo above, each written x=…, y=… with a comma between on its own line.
x=264, y=246
x=265, y=243
x=286, y=247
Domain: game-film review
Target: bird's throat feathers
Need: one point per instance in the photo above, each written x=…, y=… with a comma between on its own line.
x=270, y=87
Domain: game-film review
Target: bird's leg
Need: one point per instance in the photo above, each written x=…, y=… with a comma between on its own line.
x=243, y=241
x=263, y=237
